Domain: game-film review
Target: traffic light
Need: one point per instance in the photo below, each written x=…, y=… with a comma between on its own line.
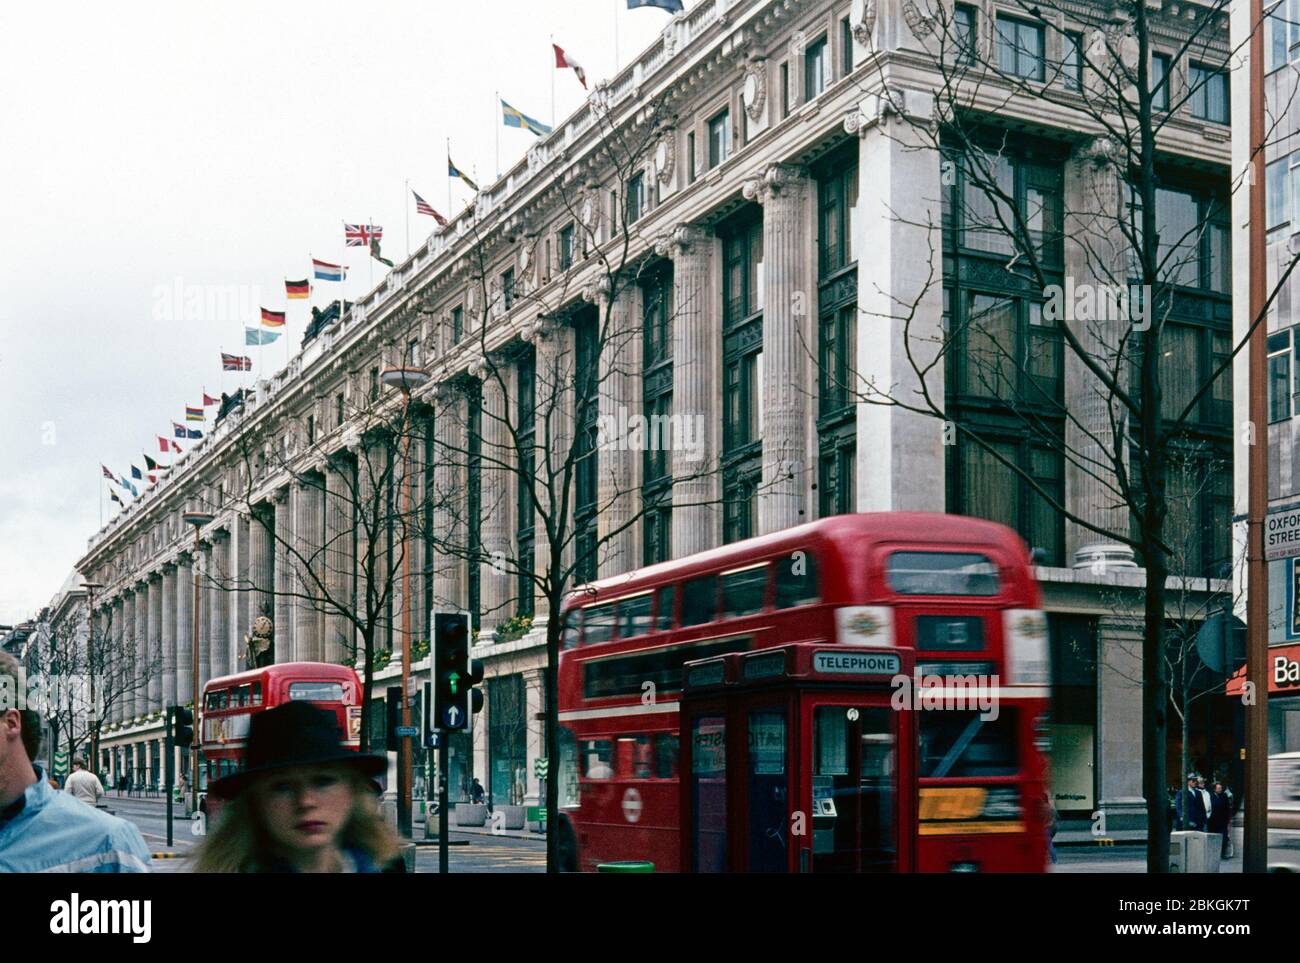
x=182, y=727
x=455, y=674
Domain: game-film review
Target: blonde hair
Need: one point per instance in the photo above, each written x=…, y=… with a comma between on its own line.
x=239, y=842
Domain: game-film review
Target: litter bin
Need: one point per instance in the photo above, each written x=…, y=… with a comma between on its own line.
x=1194, y=852
x=627, y=866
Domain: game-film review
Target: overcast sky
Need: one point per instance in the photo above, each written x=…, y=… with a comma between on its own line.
x=150, y=145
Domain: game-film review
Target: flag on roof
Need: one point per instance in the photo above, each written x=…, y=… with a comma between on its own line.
x=517, y=118
x=193, y=433
x=672, y=6
x=424, y=207
x=208, y=400
x=233, y=362
x=136, y=473
x=272, y=319
x=563, y=60
x=374, y=252
x=297, y=290
x=117, y=498
x=454, y=171
x=360, y=235
x=193, y=414
x=324, y=271
x=257, y=337
x=152, y=465
x=108, y=474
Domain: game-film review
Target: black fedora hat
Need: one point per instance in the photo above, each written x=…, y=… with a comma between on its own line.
x=294, y=734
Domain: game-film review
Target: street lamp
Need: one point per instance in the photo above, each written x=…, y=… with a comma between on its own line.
x=198, y=520
x=90, y=672
x=405, y=380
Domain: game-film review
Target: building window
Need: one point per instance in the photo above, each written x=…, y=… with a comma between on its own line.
x=507, y=740
x=966, y=34
x=846, y=47
x=457, y=324
x=1208, y=95
x=1072, y=60
x=785, y=91
x=1020, y=48
x=657, y=388
x=311, y=429
x=742, y=360
x=1276, y=41
x=508, y=288
x=526, y=435
x=566, y=247
x=338, y=410
x=1279, y=376
x=635, y=198
x=413, y=352
x=374, y=384
x=1194, y=239
x=1160, y=81
x=690, y=157
x=816, y=69
x=719, y=139
x=1278, y=192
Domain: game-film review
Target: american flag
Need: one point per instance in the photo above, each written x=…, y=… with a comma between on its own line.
x=233, y=362
x=360, y=235
x=423, y=207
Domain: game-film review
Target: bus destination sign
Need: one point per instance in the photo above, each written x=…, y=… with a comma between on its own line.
x=857, y=663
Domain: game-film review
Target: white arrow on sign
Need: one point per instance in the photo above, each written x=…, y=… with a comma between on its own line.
x=632, y=805
x=452, y=715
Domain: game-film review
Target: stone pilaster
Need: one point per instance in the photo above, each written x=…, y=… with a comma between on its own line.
x=140, y=692
x=1119, y=724
x=449, y=487
x=621, y=464
x=167, y=635
x=118, y=657
x=896, y=238
x=283, y=579
x=218, y=641
x=697, y=369
x=497, y=495
x=184, y=637
x=261, y=564
x=155, y=643
x=784, y=192
x=205, y=612
x=339, y=504
x=241, y=597
x=535, y=741
x=554, y=387
x=308, y=521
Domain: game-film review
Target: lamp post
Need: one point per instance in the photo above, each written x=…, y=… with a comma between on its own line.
x=405, y=380
x=90, y=673
x=198, y=520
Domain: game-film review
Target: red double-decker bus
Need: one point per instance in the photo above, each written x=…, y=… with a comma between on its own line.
x=862, y=693
x=230, y=702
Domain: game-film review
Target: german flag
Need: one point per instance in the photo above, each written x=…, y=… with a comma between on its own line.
x=272, y=319
x=296, y=290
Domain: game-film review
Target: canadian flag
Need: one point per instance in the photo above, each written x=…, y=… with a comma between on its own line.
x=563, y=60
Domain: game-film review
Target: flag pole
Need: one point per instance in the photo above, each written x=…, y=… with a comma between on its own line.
x=406, y=208
x=450, y=212
x=497, y=127
x=616, y=60
x=553, y=69
x=370, y=257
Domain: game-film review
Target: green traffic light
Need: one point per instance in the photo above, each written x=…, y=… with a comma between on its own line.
x=453, y=682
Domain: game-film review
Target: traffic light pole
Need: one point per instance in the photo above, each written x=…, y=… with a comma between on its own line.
x=168, y=767
x=442, y=801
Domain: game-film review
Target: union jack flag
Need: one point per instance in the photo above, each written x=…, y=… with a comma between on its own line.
x=233, y=362
x=360, y=235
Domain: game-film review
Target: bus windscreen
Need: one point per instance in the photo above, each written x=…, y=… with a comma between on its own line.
x=942, y=573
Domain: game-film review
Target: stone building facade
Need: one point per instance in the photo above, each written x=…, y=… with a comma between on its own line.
x=784, y=205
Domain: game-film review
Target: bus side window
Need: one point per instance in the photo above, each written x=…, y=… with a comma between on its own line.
x=256, y=694
x=743, y=591
x=664, y=612
x=634, y=616
x=597, y=759
x=572, y=628
x=700, y=600
x=665, y=756
x=796, y=580
x=223, y=699
x=598, y=624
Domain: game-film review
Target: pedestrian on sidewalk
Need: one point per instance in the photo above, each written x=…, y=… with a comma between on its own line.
x=83, y=784
x=1220, y=820
x=304, y=803
x=42, y=830
x=1190, y=807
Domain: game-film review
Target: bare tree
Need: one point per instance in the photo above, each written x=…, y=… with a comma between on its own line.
x=1112, y=282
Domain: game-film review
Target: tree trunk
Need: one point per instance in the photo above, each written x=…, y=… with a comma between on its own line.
x=1154, y=696
x=552, y=741
x=367, y=681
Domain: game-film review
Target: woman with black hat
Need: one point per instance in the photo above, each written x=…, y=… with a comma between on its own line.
x=303, y=803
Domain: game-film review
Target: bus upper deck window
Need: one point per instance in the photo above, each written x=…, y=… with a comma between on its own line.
x=743, y=591
x=222, y=698
x=942, y=573
x=664, y=614
x=572, y=628
x=700, y=600
x=598, y=624
x=256, y=694
x=634, y=616
x=796, y=580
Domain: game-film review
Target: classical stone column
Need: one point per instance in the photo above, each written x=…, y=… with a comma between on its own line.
x=141, y=649
x=117, y=657
x=218, y=641
x=241, y=597
x=308, y=520
x=1119, y=724
x=206, y=598
x=184, y=629
x=450, y=485
x=155, y=643
x=896, y=237
x=1096, y=254
x=622, y=448
x=788, y=302
x=283, y=579
x=339, y=499
x=697, y=396
x=554, y=392
x=535, y=740
x=167, y=635
x=497, y=493
x=261, y=563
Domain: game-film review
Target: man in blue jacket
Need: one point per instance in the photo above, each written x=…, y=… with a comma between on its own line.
x=43, y=830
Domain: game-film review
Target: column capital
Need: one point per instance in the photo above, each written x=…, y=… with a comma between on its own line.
x=890, y=101
x=542, y=328
x=773, y=181
x=597, y=292
x=681, y=239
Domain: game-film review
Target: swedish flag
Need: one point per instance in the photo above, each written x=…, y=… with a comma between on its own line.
x=517, y=118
